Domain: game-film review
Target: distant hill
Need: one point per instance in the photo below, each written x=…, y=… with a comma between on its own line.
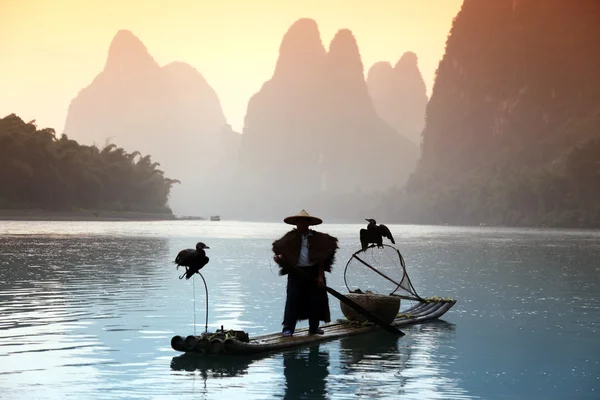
x=312, y=137
x=170, y=112
x=512, y=133
x=399, y=95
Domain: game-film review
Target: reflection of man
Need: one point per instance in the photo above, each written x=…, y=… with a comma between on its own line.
x=314, y=253
x=305, y=373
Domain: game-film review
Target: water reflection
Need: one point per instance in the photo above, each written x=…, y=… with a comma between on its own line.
x=213, y=366
x=380, y=365
x=88, y=310
x=306, y=372
x=58, y=260
x=67, y=303
x=377, y=365
x=426, y=373
x=376, y=347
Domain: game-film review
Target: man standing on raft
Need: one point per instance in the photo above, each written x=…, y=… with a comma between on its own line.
x=314, y=253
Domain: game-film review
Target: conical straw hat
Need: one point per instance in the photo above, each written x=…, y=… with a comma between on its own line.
x=293, y=219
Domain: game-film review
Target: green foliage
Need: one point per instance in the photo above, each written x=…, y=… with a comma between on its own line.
x=566, y=195
x=42, y=171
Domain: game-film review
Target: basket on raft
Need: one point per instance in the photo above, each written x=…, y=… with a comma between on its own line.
x=382, y=306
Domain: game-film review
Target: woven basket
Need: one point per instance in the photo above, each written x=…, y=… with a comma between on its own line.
x=384, y=307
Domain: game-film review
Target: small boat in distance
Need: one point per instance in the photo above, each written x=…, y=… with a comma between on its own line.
x=215, y=218
x=189, y=218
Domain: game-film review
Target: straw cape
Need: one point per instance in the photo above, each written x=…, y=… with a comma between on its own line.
x=303, y=215
x=322, y=245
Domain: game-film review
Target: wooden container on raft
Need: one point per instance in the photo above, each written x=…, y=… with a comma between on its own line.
x=384, y=307
x=213, y=344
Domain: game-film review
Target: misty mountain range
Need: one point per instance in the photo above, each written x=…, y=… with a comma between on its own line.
x=312, y=137
x=510, y=135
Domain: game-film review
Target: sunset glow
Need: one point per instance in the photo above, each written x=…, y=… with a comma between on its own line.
x=52, y=49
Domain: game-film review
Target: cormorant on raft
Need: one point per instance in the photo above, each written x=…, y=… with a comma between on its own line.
x=374, y=234
x=192, y=260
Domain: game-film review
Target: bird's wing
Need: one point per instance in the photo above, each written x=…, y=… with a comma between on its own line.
x=185, y=256
x=364, y=238
x=196, y=266
x=385, y=232
x=203, y=261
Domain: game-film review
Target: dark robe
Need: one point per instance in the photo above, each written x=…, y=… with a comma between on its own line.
x=305, y=300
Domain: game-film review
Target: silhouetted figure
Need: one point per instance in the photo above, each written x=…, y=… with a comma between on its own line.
x=314, y=253
x=374, y=234
x=192, y=260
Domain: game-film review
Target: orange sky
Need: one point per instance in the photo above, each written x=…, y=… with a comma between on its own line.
x=50, y=49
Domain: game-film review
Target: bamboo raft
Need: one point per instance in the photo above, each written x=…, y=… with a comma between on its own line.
x=238, y=342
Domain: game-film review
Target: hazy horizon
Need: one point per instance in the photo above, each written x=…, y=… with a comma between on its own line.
x=46, y=64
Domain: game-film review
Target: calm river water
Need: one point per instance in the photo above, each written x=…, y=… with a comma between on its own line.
x=87, y=311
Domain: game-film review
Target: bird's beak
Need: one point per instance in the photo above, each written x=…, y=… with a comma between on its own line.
x=206, y=247
x=367, y=220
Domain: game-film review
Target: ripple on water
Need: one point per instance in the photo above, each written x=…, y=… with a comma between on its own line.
x=87, y=310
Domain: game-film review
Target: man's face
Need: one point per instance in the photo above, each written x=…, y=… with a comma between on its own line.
x=302, y=226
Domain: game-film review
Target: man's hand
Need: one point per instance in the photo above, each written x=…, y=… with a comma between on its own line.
x=277, y=258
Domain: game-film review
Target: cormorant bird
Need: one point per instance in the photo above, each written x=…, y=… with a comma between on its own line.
x=374, y=234
x=192, y=260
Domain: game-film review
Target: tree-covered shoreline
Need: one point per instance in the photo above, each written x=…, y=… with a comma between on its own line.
x=40, y=170
x=564, y=195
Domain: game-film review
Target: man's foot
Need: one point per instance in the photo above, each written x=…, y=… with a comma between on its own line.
x=317, y=331
x=287, y=333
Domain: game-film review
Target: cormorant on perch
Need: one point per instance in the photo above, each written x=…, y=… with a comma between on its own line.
x=192, y=260
x=374, y=234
